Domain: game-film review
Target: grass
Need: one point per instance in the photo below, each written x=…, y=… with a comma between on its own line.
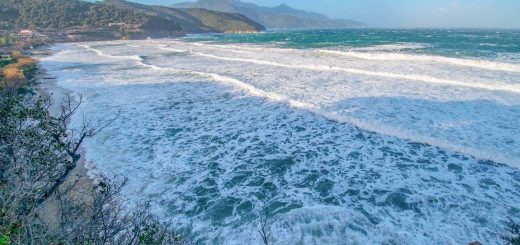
x=25, y=62
x=14, y=75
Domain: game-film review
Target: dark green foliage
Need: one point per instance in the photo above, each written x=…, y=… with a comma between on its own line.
x=61, y=14
x=32, y=157
x=66, y=14
x=280, y=17
x=4, y=63
x=224, y=22
x=52, y=14
x=194, y=20
x=9, y=9
x=153, y=234
x=8, y=40
x=38, y=153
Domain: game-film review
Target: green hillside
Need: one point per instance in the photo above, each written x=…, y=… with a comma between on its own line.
x=279, y=17
x=194, y=20
x=113, y=14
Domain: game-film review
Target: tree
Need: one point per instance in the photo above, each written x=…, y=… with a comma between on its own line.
x=43, y=200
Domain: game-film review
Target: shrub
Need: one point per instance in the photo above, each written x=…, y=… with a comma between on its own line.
x=42, y=202
x=25, y=62
x=13, y=73
x=17, y=54
x=13, y=78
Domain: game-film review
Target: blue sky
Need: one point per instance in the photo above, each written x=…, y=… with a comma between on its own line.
x=408, y=13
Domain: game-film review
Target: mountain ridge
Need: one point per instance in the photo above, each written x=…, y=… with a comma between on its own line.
x=278, y=17
x=193, y=20
x=109, y=19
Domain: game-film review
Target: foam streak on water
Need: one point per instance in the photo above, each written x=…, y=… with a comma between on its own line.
x=216, y=134
x=481, y=64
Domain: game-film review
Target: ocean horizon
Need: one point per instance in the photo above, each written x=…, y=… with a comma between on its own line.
x=368, y=136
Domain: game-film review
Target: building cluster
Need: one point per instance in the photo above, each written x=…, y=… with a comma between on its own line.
x=78, y=33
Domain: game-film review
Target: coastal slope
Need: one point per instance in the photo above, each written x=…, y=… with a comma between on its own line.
x=279, y=17
x=117, y=19
x=194, y=20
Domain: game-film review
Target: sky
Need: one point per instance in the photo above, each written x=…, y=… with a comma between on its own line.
x=407, y=13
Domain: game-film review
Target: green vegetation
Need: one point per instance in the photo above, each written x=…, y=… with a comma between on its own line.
x=9, y=10
x=124, y=16
x=194, y=20
x=42, y=199
x=4, y=62
x=8, y=40
x=279, y=17
x=224, y=22
x=63, y=14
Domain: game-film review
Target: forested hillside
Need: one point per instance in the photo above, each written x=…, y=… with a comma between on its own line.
x=65, y=14
x=68, y=13
x=279, y=17
x=9, y=10
x=194, y=20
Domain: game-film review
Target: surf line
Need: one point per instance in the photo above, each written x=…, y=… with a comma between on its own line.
x=481, y=64
x=101, y=53
x=472, y=63
x=420, y=78
x=250, y=89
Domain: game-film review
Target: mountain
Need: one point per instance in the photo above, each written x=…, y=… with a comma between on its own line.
x=117, y=19
x=279, y=17
x=93, y=18
x=193, y=20
x=9, y=10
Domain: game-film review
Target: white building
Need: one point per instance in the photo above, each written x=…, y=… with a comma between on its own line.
x=26, y=33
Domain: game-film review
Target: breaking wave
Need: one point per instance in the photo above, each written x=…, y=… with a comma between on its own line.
x=332, y=150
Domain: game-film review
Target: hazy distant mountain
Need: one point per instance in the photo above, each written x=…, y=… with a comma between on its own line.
x=279, y=17
x=193, y=20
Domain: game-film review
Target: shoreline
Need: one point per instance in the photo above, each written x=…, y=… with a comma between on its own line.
x=68, y=198
x=84, y=173
x=54, y=84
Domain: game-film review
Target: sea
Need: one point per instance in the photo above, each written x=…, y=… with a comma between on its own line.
x=361, y=136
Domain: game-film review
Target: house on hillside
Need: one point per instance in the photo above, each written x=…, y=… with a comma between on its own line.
x=126, y=26
x=26, y=33
x=82, y=29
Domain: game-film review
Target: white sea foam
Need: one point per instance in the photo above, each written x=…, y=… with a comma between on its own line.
x=497, y=86
x=101, y=53
x=368, y=125
x=229, y=80
x=392, y=47
x=214, y=137
x=481, y=64
x=173, y=49
x=376, y=54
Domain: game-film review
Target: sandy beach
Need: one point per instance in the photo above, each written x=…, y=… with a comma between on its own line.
x=84, y=177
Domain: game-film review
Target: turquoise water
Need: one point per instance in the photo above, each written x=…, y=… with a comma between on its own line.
x=337, y=137
x=452, y=43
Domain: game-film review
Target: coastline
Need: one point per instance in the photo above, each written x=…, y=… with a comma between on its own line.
x=70, y=202
x=84, y=174
x=52, y=85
